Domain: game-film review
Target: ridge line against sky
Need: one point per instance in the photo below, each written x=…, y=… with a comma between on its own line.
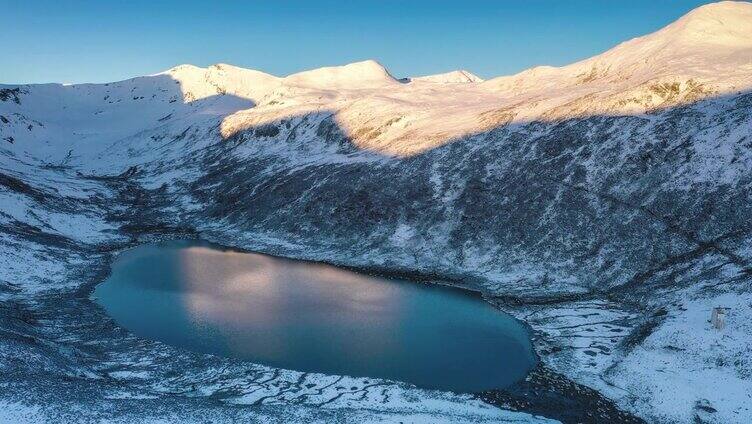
x=100, y=41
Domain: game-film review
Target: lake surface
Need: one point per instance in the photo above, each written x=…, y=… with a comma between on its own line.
x=313, y=317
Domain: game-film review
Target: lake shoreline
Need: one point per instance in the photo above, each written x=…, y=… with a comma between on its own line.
x=276, y=311
x=543, y=392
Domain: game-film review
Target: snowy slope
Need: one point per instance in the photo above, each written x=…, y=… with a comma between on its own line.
x=606, y=203
x=710, y=39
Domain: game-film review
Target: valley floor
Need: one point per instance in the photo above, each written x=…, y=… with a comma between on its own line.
x=57, y=345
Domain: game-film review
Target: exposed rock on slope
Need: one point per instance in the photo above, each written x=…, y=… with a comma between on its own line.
x=606, y=203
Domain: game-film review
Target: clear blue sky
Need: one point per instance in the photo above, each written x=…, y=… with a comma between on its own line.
x=108, y=40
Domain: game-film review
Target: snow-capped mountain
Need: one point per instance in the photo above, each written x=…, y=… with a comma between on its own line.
x=460, y=76
x=606, y=203
x=711, y=42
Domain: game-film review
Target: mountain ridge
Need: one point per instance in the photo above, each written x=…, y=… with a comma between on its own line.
x=617, y=188
x=727, y=24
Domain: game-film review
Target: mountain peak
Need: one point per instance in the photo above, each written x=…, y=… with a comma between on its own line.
x=458, y=76
x=721, y=9
x=367, y=73
x=728, y=23
x=182, y=68
x=711, y=40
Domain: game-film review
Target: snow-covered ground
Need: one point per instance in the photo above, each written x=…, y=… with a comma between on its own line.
x=606, y=203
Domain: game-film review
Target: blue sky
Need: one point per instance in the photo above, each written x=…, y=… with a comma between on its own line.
x=98, y=41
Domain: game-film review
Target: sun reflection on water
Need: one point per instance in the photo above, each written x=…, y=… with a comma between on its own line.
x=313, y=317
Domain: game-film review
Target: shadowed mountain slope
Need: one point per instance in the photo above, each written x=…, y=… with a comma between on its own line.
x=607, y=203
